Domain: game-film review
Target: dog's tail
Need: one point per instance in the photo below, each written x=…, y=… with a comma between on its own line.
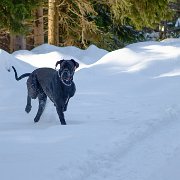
x=20, y=77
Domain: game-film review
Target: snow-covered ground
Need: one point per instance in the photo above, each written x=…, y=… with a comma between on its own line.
x=122, y=124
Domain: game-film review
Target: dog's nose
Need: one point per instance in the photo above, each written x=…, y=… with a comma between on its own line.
x=66, y=75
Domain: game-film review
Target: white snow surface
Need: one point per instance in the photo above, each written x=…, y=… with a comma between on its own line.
x=122, y=124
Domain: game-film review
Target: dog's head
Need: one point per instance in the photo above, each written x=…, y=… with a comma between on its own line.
x=66, y=71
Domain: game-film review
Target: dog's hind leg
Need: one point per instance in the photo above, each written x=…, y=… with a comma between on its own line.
x=42, y=97
x=28, y=105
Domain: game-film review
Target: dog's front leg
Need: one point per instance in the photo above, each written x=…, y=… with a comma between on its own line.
x=66, y=104
x=59, y=110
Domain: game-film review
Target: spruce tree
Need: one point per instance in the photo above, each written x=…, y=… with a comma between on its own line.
x=140, y=13
x=76, y=26
x=14, y=14
x=53, y=22
x=123, y=21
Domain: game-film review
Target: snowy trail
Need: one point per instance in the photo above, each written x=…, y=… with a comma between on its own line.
x=135, y=156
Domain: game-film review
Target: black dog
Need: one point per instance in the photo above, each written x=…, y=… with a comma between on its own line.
x=57, y=85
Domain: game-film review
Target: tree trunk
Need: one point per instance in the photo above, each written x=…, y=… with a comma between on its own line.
x=17, y=42
x=4, y=40
x=53, y=23
x=38, y=27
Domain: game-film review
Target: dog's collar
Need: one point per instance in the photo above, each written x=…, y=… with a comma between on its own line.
x=62, y=80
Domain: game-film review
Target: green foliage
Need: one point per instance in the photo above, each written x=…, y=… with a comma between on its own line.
x=122, y=21
x=15, y=13
x=140, y=13
x=114, y=35
x=77, y=26
x=109, y=24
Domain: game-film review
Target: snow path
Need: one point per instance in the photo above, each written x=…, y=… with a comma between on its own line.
x=128, y=147
x=127, y=158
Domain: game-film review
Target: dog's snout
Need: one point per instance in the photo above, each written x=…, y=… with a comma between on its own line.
x=66, y=74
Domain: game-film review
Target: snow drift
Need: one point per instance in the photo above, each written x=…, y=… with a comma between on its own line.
x=123, y=122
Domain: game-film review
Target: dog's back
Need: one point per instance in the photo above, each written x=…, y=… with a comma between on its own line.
x=44, y=75
x=40, y=80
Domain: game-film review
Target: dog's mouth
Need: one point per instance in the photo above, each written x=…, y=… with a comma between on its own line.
x=66, y=77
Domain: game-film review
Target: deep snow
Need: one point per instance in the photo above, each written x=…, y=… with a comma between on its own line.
x=123, y=122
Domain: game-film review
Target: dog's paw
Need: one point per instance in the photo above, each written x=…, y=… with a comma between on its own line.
x=63, y=122
x=28, y=109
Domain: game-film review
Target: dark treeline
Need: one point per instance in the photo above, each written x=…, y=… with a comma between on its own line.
x=110, y=24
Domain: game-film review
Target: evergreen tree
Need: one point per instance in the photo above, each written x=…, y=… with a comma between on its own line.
x=140, y=13
x=14, y=14
x=14, y=20
x=76, y=26
x=38, y=27
x=53, y=22
x=82, y=22
x=123, y=21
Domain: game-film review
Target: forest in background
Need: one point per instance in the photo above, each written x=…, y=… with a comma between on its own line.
x=109, y=24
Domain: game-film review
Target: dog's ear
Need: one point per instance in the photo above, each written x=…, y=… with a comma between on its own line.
x=75, y=63
x=58, y=62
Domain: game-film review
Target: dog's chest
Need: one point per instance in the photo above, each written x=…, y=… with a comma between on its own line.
x=57, y=93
